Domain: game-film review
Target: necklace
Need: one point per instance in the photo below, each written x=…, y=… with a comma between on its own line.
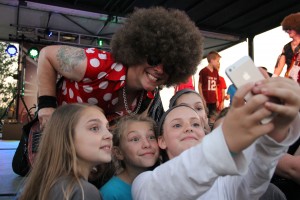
x=126, y=105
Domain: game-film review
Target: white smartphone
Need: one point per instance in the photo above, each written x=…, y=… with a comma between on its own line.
x=244, y=71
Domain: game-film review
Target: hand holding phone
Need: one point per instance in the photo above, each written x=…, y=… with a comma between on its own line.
x=244, y=71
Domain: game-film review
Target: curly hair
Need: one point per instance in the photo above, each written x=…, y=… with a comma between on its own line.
x=168, y=35
x=292, y=22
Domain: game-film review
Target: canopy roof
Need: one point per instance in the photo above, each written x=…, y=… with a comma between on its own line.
x=81, y=22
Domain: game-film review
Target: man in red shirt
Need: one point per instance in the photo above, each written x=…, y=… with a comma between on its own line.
x=208, y=81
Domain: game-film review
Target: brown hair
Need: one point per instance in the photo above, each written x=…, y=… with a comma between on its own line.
x=212, y=55
x=292, y=22
x=167, y=35
x=160, y=129
x=56, y=154
x=174, y=98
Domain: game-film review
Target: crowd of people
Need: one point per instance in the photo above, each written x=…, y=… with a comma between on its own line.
x=106, y=111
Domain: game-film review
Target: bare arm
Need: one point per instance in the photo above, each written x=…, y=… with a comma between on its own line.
x=200, y=89
x=289, y=167
x=279, y=65
x=68, y=61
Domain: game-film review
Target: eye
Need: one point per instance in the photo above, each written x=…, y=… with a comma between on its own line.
x=176, y=126
x=134, y=139
x=196, y=125
x=152, y=137
x=198, y=108
x=94, y=128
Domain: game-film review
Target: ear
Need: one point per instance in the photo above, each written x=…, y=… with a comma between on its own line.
x=161, y=142
x=118, y=153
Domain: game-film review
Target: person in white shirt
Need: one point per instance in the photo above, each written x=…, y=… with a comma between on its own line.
x=215, y=166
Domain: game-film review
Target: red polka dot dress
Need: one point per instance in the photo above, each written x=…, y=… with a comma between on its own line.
x=100, y=85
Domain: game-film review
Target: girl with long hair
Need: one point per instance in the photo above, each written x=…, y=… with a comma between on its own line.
x=75, y=141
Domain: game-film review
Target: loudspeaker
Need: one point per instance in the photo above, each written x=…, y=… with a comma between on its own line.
x=12, y=131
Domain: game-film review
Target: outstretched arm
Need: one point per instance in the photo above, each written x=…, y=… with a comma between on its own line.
x=193, y=173
x=269, y=149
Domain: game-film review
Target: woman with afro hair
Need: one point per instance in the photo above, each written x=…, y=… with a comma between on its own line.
x=290, y=53
x=155, y=47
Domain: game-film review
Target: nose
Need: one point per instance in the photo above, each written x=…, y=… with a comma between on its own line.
x=159, y=68
x=188, y=128
x=146, y=143
x=108, y=135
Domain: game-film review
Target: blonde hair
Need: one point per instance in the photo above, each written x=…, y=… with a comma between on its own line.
x=56, y=154
x=121, y=127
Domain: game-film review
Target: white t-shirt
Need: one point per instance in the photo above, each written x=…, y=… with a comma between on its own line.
x=208, y=171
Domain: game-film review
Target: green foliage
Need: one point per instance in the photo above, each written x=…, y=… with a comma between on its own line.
x=8, y=85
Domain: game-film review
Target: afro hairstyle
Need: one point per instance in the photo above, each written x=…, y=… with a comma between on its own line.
x=168, y=35
x=292, y=22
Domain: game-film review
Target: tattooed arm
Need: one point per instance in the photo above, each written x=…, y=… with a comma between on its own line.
x=68, y=61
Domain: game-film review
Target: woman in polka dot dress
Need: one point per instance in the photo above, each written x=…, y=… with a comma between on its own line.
x=155, y=47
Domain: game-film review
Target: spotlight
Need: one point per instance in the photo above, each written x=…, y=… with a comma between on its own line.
x=100, y=42
x=11, y=50
x=48, y=32
x=33, y=52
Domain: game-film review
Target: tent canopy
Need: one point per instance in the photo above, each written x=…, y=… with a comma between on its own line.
x=224, y=23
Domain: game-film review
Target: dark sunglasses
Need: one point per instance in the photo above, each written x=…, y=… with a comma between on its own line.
x=287, y=30
x=153, y=61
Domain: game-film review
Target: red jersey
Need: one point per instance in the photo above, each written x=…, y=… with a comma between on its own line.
x=209, y=81
x=100, y=85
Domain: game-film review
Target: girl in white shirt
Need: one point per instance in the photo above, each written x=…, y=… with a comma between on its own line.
x=201, y=171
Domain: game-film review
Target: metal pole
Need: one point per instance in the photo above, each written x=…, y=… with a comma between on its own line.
x=251, y=47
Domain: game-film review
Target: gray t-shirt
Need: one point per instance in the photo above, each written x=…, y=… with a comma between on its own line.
x=90, y=191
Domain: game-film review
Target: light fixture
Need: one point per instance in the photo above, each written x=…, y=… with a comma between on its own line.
x=11, y=50
x=48, y=32
x=100, y=42
x=33, y=52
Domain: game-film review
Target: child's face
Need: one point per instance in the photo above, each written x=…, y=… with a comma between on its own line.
x=92, y=140
x=138, y=145
x=194, y=101
x=215, y=63
x=182, y=130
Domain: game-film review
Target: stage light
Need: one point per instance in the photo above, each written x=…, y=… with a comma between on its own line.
x=33, y=52
x=11, y=50
x=48, y=32
x=100, y=42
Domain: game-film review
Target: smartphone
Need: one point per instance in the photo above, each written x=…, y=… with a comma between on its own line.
x=244, y=71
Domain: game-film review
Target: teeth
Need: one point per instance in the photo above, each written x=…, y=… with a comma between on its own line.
x=152, y=77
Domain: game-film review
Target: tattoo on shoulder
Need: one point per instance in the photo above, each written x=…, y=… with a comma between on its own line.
x=70, y=57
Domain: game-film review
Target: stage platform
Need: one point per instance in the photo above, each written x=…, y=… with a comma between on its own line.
x=10, y=182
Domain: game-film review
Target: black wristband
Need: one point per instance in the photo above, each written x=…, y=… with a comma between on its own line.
x=47, y=102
